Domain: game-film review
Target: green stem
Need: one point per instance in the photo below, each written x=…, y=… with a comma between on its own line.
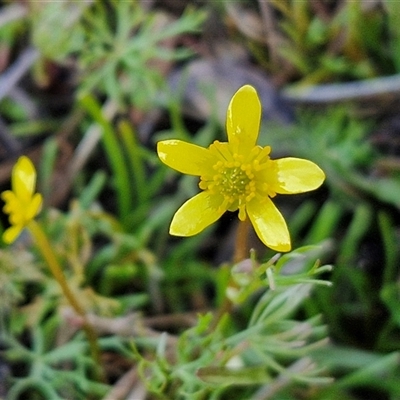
x=48, y=254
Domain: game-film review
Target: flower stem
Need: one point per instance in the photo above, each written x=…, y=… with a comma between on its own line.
x=242, y=241
x=55, y=268
x=241, y=252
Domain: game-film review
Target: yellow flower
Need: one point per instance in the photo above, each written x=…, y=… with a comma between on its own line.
x=238, y=175
x=21, y=203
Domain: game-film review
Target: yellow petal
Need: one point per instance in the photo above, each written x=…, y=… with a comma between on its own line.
x=34, y=206
x=196, y=214
x=23, y=179
x=12, y=204
x=269, y=224
x=10, y=234
x=297, y=175
x=17, y=218
x=186, y=157
x=7, y=195
x=243, y=119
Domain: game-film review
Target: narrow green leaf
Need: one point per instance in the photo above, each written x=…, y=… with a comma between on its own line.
x=234, y=376
x=114, y=155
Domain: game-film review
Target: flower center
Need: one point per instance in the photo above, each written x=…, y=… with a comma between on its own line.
x=238, y=178
x=234, y=180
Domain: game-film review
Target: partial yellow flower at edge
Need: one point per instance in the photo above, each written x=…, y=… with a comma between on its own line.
x=21, y=203
x=238, y=175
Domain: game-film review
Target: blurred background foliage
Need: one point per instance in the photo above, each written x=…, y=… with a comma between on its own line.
x=86, y=90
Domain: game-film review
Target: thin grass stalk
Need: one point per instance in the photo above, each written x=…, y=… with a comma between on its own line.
x=114, y=155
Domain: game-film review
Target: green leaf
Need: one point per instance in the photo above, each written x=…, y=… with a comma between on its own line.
x=234, y=376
